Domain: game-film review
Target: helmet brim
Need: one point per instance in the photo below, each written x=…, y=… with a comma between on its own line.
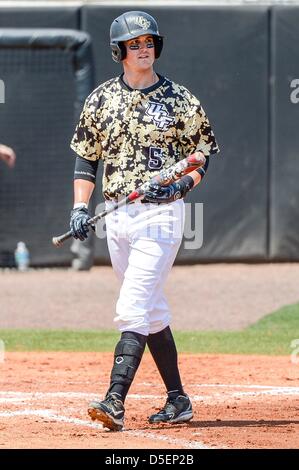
x=128, y=36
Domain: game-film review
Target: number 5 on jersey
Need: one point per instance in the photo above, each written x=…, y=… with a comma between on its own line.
x=156, y=160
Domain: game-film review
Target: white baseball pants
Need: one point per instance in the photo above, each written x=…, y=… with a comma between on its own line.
x=143, y=241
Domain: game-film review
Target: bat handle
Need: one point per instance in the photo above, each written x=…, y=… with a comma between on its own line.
x=58, y=241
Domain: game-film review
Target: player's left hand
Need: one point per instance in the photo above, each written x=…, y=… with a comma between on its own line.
x=164, y=194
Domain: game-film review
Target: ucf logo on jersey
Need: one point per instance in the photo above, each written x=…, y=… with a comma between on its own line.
x=159, y=115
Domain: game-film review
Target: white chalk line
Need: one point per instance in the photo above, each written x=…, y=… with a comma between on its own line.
x=180, y=442
x=83, y=395
x=52, y=416
x=20, y=397
x=273, y=392
x=217, y=385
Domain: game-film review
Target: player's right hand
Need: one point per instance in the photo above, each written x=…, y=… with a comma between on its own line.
x=165, y=194
x=78, y=223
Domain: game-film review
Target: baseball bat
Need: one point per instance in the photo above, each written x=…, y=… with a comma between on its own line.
x=165, y=177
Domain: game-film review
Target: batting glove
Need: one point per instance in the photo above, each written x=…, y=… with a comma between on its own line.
x=78, y=222
x=165, y=194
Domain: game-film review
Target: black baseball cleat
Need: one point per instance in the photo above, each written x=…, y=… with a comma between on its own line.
x=109, y=411
x=177, y=410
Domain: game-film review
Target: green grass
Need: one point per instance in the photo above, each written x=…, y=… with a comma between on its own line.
x=58, y=340
x=272, y=335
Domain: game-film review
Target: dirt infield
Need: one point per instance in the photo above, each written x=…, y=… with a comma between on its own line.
x=232, y=296
x=239, y=402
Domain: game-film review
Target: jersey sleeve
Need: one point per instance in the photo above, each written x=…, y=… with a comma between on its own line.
x=196, y=132
x=86, y=140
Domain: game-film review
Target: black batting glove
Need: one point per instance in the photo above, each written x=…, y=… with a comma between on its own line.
x=78, y=223
x=165, y=194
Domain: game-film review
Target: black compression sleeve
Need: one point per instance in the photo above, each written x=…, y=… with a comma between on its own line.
x=85, y=169
x=202, y=170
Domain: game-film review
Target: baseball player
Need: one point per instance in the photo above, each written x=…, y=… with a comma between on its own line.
x=139, y=123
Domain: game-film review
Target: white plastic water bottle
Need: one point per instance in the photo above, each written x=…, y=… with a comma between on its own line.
x=22, y=257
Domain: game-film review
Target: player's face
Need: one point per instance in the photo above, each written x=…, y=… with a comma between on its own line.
x=140, y=52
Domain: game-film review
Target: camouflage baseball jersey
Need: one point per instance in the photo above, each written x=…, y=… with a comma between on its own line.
x=138, y=132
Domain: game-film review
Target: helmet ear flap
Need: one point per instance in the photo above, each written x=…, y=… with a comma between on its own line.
x=119, y=51
x=123, y=50
x=158, y=41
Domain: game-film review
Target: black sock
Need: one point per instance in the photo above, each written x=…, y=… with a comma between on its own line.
x=127, y=357
x=163, y=350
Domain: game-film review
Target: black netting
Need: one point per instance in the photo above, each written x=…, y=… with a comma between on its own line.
x=37, y=120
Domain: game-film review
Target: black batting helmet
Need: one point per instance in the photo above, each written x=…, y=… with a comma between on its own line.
x=130, y=25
